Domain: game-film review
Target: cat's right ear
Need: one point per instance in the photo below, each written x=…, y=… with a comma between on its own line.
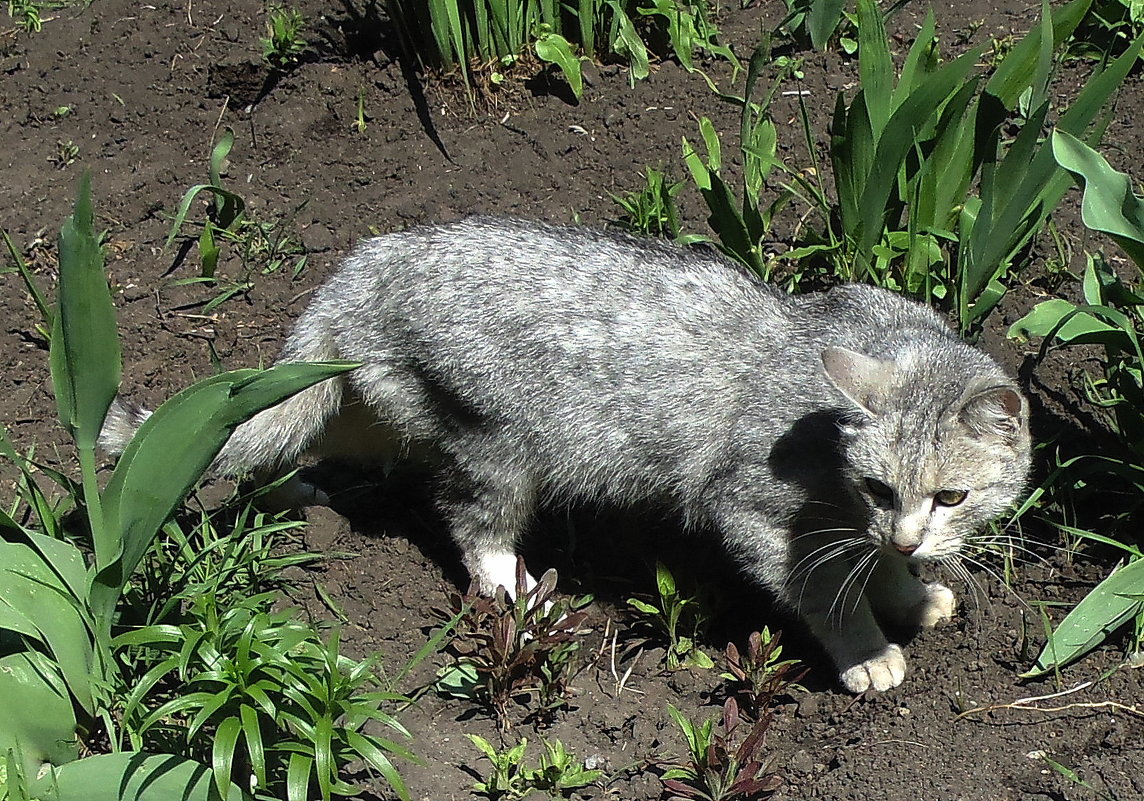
x=862, y=379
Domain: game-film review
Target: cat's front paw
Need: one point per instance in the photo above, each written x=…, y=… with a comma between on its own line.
x=938, y=606
x=883, y=671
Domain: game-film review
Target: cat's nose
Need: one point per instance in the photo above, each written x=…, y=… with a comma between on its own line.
x=906, y=549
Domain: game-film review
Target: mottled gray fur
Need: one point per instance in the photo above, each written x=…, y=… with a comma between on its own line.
x=834, y=440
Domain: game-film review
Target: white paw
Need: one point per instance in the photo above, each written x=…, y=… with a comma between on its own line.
x=880, y=672
x=937, y=607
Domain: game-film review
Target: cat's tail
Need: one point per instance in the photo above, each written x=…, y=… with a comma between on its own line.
x=271, y=440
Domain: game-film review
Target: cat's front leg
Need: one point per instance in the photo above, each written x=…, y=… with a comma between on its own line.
x=857, y=646
x=900, y=597
x=822, y=585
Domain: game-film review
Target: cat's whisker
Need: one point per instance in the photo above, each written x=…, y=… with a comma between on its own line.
x=976, y=591
x=992, y=573
x=870, y=559
x=833, y=551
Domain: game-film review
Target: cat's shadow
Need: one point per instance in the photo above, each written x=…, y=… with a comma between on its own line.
x=608, y=553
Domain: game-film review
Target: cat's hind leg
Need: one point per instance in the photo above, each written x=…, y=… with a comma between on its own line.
x=488, y=506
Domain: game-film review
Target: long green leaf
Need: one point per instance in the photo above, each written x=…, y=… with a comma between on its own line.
x=31, y=594
x=1109, y=204
x=1101, y=612
x=1019, y=69
x=822, y=19
x=85, y=346
x=172, y=450
x=38, y=719
x=133, y=776
x=875, y=66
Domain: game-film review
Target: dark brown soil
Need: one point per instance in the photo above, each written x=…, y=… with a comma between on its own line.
x=148, y=89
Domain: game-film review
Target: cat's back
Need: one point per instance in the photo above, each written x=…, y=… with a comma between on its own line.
x=510, y=270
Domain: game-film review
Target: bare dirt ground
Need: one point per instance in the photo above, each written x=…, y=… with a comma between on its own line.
x=147, y=89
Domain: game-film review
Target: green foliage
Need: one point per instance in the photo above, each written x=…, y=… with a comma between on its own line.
x=652, y=210
x=816, y=21
x=518, y=648
x=743, y=225
x=279, y=704
x=267, y=245
x=725, y=762
x=1112, y=317
x=471, y=34
x=62, y=604
x=933, y=196
x=557, y=775
x=27, y=15
x=675, y=620
x=283, y=46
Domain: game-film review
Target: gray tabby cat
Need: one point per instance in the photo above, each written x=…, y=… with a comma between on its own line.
x=835, y=441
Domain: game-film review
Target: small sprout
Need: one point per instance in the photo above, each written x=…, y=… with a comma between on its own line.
x=284, y=46
x=66, y=153
x=558, y=774
x=759, y=675
x=725, y=762
x=671, y=618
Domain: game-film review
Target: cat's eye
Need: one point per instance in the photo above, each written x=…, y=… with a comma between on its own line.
x=950, y=497
x=881, y=491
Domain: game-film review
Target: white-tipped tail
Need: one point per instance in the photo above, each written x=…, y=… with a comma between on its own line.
x=272, y=439
x=119, y=426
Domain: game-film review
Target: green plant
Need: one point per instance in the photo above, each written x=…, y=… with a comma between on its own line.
x=818, y=21
x=1112, y=317
x=66, y=153
x=757, y=675
x=676, y=620
x=652, y=210
x=283, y=708
x=557, y=775
x=932, y=196
x=500, y=34
x=27, y=14
x=263, y=244
x=518, y=648
x=62, y=603
x=226, y=211
x=1074, y=777
x=282, y=48
x=725, y=762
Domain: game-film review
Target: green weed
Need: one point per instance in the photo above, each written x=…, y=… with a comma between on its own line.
x=652, y=210
x=756, y=676
x=283, y=46
x=66, y=153
x=675, y=620
x=558, y=774
x=725, y=762
x=1112, y=317
x=268, y=246
x=493, y=36
x=27, y=15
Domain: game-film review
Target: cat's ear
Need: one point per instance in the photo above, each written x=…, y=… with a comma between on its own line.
x=993, y=410
x=862, y=379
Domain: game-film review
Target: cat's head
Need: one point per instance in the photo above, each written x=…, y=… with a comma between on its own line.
x=936, y=443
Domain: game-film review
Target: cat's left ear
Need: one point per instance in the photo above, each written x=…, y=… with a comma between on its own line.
x=994, y=410
x=862, y=379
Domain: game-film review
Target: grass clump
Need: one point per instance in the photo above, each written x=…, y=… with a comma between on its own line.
x=486, y=39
